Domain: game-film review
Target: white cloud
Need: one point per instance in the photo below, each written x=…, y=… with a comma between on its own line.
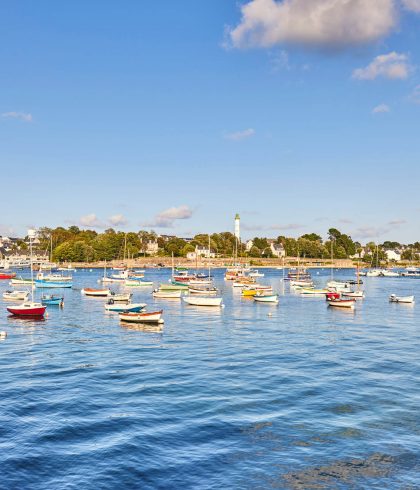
x=370, y=232
x=323, y=23
x=381, y=109
x=22, y=116
x=91, y=221
x=280, y=61
x=167, y=218
x=394, y=66
x=415, y=95
x=413, y=5
x=240, y=135
x=117, y=220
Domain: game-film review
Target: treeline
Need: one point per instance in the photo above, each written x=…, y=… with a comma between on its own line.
x=75, y=245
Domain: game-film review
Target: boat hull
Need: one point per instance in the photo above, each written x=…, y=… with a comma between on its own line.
x=152, y=317
x=27, y=312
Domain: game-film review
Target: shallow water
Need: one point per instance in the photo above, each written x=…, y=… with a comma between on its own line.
x=296, y=396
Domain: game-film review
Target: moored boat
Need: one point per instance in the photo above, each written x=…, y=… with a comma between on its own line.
x=138, y=284
x=51, y=299
x=203, y=291
x=341, y=303
x=152, y=317
x=7, y=275
x=122, y=308
x=202, y=301
x=44, y=284
x=96, y=292
x=266, y=298
x=166, y=294
x=15, y=295
x=29, y=309
x=121, y=297
x=401, y=299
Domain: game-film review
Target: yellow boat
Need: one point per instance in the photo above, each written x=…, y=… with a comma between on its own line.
x=314, y=291
x=249, y=292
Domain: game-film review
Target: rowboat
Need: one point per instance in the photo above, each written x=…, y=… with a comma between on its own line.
x=249, y=292
x=15, y=295
x=202, y=301
x=401, y=299
x=120, y=308
x=354, y=294
x=341, y=303
x=200, y=282
x=173, y=287
x=121, y=297
x=137, y=284
x=96, y=292
x=29, y=309
x=267, y=298
x=7, y=275
x=51, y=299
x=204, y=292
x=43, y=284
x=166, y=294
x=152, y=317
x=20, y=281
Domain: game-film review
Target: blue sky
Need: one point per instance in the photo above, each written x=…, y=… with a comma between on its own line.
x=177, y=115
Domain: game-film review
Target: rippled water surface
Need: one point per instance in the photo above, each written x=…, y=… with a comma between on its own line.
x=295, y=396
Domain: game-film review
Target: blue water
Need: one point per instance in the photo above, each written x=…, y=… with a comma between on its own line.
x=295, y=396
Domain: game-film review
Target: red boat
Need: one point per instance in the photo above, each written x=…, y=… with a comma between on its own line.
x=28, y=310
x=7, y=275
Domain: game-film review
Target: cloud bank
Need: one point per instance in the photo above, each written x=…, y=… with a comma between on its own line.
x=167, y=218
x=328, y=24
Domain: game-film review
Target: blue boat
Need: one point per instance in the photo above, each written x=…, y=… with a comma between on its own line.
x=41, y=283
x=51, y=299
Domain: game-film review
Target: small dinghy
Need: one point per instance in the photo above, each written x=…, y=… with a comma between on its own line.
x=266, y=298
x=138, y=284
x=354, y=294
x=401, y=299
x=96, y=292
x=152, y=317
x=31, y=310
x=341, y=303
x=7, y=275
x=52, y=299
x=203, y=291
x=202, y=301
x=122, y=297
x=157, y=293
x=314, y=292
x=128, y=308
x=15, y=295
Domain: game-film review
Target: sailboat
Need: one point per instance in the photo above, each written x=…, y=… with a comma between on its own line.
x=30, y=308
x=358, y=294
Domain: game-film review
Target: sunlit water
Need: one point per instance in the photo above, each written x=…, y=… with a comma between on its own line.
x=297, y=395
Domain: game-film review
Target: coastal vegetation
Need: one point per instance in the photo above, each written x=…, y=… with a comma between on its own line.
x=73, y=244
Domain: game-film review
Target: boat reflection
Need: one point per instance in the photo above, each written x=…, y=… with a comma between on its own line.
x=142, y=327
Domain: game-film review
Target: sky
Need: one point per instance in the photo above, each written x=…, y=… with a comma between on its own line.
x=299, y=115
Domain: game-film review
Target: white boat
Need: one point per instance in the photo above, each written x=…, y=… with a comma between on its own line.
x=53, y=277
x=20, y=281
x=16, y=295
x=389, y=273
x=401, y=299
x=373, y=273
x=138, y=284
x=204, y=292
x=200, y=282
x=303, y=283
x=121, y=308
x=121, y=297
x=341, y=303
x=255, y=274
x=152, y=317
x=266, y=298
x=354, y=294
x=166, y=294
x=314, y=292
x=203, y=301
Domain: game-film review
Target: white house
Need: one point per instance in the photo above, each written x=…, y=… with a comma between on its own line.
x=152, y=247
x=201, y=251
x=277, y=250
x=394, y=255
x=248, y=245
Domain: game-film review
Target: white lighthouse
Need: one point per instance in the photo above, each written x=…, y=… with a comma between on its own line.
x=238, y=228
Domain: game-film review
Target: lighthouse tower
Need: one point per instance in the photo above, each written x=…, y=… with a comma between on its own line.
x=238, y=228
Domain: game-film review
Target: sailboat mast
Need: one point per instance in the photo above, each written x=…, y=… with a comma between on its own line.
x=332, y=259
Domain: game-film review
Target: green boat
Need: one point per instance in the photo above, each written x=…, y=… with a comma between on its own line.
x=173, y=286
